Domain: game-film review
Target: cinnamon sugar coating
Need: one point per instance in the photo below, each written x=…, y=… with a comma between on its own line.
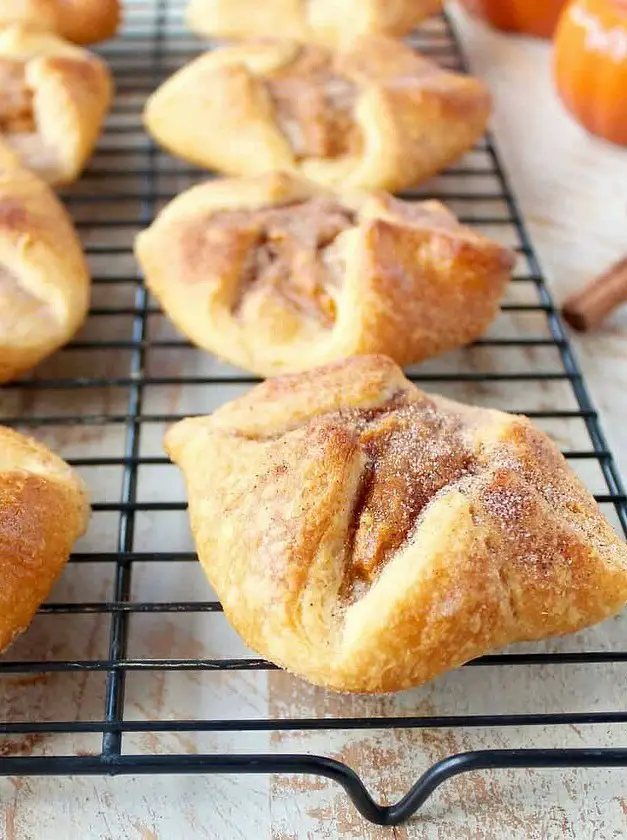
x=368, y=537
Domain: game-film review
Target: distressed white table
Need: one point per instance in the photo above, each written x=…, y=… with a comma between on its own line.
x=573, y=191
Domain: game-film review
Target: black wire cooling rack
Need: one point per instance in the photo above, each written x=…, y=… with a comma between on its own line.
x=103, y=403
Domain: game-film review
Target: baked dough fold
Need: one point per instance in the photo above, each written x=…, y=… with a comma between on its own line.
x=375, y=115
x=368, y=537
x=81, y=21
x=329, y=22
x=44, y=509
x=276, y=274
x=44, y=281
x=54, y=97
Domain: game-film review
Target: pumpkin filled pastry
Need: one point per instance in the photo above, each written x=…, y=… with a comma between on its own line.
x=318, y=21
x=43, y=511
x=44, y=281
x=376, y=114
x=54, y=97
x=367, y=536
x=81, y=21
x=276, y=274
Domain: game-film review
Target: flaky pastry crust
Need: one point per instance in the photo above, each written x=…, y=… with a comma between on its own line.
x=368, y=537
x=80, y=21
x=376, y=115
x=277, y=275
x=328, y=22
x=44, y=281
x=54, y=97
x=44, y=509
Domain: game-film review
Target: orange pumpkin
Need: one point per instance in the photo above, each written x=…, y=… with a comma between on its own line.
x=529, y=17
x=590, y=65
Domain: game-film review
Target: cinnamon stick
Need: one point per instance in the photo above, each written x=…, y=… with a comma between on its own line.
x=586, y=308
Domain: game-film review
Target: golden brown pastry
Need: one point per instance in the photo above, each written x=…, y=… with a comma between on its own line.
x=277, y=275
x=375, y=115
x=53, y=100
x=44, y=281
x=43, y=511
x=329, y=22
x=81, y=21
x=368, y=537
x=40, y=14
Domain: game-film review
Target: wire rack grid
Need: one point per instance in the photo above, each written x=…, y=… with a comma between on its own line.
x=130, y=668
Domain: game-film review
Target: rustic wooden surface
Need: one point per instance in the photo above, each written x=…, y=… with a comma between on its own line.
x=573, y=191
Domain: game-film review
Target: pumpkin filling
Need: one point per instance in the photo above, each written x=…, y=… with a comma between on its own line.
x=412, y=452
x=16, y=100
x=288, y=250
x=18, y=126
x=314, y=105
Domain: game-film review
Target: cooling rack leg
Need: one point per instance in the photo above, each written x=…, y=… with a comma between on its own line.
x=336, y=771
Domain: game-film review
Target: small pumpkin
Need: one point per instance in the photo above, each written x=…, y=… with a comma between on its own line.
x=590, y=65
x=529, y=17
